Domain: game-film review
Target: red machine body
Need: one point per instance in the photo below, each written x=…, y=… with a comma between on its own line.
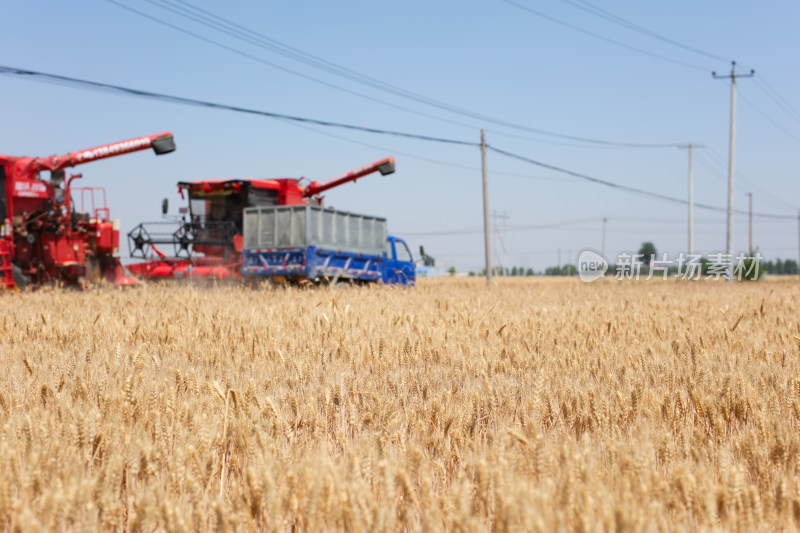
x=208, y=245
x=44, y=238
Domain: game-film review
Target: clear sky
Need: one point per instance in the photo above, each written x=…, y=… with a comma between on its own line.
x=488, y=57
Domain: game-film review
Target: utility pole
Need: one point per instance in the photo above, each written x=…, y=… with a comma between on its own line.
x=500, y=237
x=504, y=217
x=691, y=147
x=750, y=232
x=603, y=248
x=486, y=211
x=798, y=246
x=495, y=233
x=731, y=158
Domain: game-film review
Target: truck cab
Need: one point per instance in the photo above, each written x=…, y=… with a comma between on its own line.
x=398, y=263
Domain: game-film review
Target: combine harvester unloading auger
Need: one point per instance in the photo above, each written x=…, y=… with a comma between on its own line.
x=44, y=238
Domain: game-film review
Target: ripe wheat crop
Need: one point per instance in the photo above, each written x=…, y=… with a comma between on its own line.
x=544, y=405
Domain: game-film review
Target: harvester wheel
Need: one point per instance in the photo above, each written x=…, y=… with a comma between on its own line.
x=20, y=279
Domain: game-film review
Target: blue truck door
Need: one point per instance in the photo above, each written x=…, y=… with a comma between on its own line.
x=399, y=264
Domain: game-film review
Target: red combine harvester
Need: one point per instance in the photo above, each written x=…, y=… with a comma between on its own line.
x=209, y=243
x=43, y=237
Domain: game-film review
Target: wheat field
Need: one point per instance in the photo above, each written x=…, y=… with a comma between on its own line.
x=537, y=405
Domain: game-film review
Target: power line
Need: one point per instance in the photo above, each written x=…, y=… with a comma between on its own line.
x=601, y=37
x=616, y=19
x=243, y=33
x=776, y=97
x=764, y=114
x=107, y=87
x=615, y=146
x=473, y=231
x=599, y=181
x=718, y=172
x=720, y=161
x=569, y=224
x=221, y=24
x=286, y=69
x=427, y=159
x=582, y=229
x=627, y=188
x=237, y=31
x=523, y=254
x=714, y=171
x=679, y=221
x=705, y=232
x=116, y=89
x=707, y=164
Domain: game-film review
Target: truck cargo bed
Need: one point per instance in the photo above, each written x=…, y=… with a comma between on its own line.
x=312, y=263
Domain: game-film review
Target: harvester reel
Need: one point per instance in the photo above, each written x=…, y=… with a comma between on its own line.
x=182, y=241
x=139, y=240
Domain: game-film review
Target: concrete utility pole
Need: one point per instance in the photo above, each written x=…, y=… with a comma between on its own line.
x=691, y=147
x=731, y=157
x=603, y=247
x=750, y=232
x=486, y=242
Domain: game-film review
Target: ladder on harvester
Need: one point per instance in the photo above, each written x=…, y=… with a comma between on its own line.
x=6, y=274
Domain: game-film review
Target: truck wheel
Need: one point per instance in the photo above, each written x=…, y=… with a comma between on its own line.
x=20, y=279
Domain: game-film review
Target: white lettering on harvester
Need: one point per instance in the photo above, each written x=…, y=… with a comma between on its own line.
x=34, y=186
x=112, y=149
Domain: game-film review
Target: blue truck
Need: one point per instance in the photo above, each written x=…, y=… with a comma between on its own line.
x=322, y=245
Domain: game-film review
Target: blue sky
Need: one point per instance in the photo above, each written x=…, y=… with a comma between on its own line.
x=489, y=57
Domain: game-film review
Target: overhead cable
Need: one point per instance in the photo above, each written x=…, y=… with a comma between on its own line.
x=635, y=190
x=607, y=15
x=232, y=29
x=111, y=88
x=107, y=87
x=601, y=37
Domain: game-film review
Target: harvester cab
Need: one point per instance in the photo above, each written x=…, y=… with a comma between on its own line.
x=215, y=212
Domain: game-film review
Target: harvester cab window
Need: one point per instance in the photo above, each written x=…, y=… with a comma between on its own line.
x=212, y=209
x=200, y=207
x=218, y=208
